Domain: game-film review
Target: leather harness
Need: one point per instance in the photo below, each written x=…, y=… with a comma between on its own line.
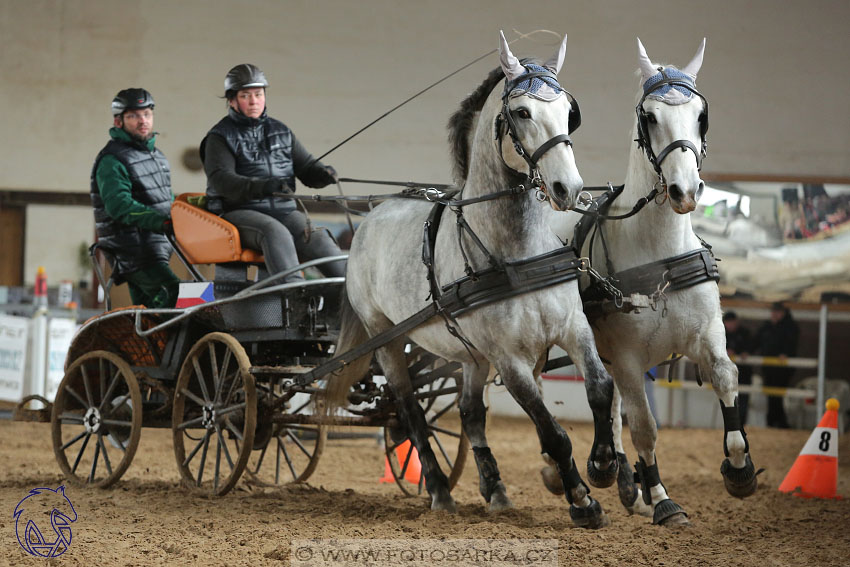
x=639, y=286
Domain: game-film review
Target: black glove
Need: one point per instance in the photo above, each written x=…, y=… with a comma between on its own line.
x=168, y=227
x=332, y=173
x=276, y=185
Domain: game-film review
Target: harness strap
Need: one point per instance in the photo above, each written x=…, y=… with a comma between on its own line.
x=684, y=144
x=429, y=240
x=680, y=272
x=549, y=144
x=511, y=279
x=462, y=224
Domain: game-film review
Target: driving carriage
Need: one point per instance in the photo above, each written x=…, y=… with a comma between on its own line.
x=227, y=377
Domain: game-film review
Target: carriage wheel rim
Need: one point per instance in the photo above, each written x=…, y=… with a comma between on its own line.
x=98, y=423
x=275, y=450
x=218, y=407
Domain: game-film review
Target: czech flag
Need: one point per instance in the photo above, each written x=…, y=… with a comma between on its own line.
x=195, y=293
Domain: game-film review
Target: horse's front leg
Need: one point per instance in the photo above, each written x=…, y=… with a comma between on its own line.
x=410, y=413
x=739, y=474
x=602, y=463
x=584, y=510
x=473, y=415
x=630, y=382
x=630, y=493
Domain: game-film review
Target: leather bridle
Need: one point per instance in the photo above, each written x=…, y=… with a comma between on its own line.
x=643, y=139
x=505, y=124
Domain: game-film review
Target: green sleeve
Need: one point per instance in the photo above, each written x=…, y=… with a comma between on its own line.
x=113, y=181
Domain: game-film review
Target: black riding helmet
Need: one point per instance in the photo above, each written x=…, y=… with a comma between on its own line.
x=131, y=99
x=244, y=76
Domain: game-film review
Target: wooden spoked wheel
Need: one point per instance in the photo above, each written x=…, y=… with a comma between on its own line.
x=284, y=453
x=97, y=419
x=214, y=415
x=437, y=384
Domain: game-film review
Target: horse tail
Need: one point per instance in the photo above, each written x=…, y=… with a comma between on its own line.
x=352, y=333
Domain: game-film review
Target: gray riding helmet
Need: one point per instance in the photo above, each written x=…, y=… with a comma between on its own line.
x=244, y=76
x=131, y=99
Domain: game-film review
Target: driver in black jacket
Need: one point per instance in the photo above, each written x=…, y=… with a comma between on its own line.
x=249, y=157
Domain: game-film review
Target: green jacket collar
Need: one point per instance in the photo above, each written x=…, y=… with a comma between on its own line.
x=119, y=134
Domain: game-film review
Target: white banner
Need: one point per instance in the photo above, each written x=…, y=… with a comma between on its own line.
x=60, y=332
x=13, y=357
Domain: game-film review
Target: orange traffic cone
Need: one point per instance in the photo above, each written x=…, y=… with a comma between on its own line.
x=414, y=469
x=815, y=472
x=388, y=472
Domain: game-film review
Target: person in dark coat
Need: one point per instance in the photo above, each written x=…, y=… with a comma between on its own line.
x=252, y=161
x=131, y=196
x=778, y=337
x=739, y=342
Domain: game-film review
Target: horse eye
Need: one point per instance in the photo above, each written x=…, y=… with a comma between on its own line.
x=523, y=113
x=651, y=118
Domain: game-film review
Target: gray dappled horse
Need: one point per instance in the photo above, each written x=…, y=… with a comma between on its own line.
x=386, y=281
x=670, y=128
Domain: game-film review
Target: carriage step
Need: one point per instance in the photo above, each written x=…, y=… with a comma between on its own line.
x=20, y=412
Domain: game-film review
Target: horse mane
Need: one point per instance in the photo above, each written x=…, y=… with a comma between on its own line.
x=463, y=121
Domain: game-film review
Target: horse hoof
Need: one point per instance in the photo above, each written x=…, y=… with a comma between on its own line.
x=669, y=514
x=626, y=487
x=602, y=477
x=499, y=502
x=445, y=504
x=593, y=517
x=742, y=482
x=638, y=506
x=552, y=480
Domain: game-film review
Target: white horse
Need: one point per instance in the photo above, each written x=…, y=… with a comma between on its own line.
x=686, y=317
x=386, y=281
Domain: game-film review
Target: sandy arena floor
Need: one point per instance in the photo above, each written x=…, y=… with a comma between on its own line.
x=147, y=519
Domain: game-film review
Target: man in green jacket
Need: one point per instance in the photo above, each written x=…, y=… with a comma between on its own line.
x=131, y=195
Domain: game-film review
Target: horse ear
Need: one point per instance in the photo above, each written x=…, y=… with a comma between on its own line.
x=647, y=69
x=693, y=67
x=510, y=64
x=554, y=64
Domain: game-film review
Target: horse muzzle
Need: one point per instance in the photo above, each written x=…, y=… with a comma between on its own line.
x=562, y=197
x=684, y=201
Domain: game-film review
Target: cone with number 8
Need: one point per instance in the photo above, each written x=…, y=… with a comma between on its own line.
x=815, y=472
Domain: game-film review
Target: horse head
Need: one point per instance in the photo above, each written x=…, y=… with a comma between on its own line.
x=536, y=119
x=673, y=115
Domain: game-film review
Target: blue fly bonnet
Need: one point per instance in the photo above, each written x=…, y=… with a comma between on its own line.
x=669, y=94
x=542, y=88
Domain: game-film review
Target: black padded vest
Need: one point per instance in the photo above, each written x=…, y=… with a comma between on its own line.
x=134, y=247
x=262, y=148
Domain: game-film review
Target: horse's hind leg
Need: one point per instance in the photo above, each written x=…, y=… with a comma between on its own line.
x=584, y=510
x=739, y=474
x=410, y=413
x=473, y=415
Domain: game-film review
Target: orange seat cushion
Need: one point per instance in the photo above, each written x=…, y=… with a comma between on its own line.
x=206, y=238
